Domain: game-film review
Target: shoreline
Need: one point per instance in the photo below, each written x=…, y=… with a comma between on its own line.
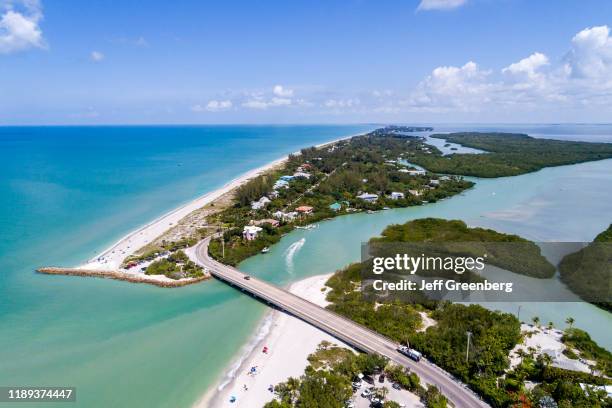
x=111, y=258
x=290, y=342
x=157, y=280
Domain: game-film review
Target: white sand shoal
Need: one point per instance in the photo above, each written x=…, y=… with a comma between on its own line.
x=289, y=341
x=112, y=258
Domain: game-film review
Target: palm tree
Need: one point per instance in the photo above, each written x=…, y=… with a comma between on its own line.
x=570, y=320
x=535, y=320
x=550, y=325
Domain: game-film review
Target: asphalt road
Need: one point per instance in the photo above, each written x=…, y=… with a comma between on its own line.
x=340, y=327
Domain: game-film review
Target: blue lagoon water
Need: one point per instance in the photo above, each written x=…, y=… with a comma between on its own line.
x=68, y=192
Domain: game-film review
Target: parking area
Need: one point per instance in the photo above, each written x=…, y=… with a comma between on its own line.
x=404, y=398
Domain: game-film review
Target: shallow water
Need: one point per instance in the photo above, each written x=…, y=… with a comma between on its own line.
x=67, y=193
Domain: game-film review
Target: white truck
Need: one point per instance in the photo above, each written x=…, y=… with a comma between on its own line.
x=411, y=353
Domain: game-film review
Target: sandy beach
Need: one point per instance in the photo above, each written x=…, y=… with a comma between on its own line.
x=289, y=341
x=111, y=258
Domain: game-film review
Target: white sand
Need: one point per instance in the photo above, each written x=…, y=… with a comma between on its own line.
x=112, y=258
x=289, y=340
x=548, y=341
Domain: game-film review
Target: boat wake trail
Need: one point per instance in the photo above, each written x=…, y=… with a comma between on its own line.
x=290, y=253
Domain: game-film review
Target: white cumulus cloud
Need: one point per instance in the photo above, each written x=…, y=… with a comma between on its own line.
x=96, y=56
x=528, y=66
x=440, y=4
x=280, y=91
x=216, y=106
x=583, y=77
x=590, y=55
x=19, y=26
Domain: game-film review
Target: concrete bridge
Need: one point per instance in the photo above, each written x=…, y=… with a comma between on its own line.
x=340, y=327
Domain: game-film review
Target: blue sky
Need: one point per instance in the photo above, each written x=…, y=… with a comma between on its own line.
x=435, y=61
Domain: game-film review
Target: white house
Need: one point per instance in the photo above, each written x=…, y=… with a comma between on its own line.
x=434, y=183
x=395, y=195
x=301, y=174
x=414, y=172
x=250, y=232
x=281, y=184
x=261, y=203
x=370, y=198
x=285, y=216
x=415, y=193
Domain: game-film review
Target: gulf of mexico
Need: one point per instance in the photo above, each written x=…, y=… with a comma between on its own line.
x=68, y=192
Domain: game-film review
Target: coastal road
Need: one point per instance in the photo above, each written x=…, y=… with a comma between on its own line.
x=338, y=326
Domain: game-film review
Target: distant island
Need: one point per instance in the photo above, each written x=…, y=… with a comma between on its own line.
x=508, y=154
x=588, y=272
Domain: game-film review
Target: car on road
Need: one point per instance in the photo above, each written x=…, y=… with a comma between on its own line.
x=356, y=385
x=368, y=379
x=381, y=378
x=366, y=393
x=397, y=386
x=247, y=277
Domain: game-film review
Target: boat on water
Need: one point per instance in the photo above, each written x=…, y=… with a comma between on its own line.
x=265, y=250
x=307, y=227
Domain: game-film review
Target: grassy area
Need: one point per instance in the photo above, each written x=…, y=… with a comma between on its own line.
x=509, y=154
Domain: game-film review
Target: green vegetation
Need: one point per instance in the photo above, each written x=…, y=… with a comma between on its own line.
x=508, y=154
x=326, y=382
x=176, y=266
x=494, y=334
x=588, y=272
x=154, y=251
x=506, y=251
x=554, y=384
x=589, y=349
x=371, y=163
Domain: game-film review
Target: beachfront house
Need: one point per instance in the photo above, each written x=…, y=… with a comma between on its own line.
x=367, y=197
x=444, y=178
x=434, y=183
x=304, y=209
x=304, y=167
x=416, y=193
x=250, y=232
x=285, y=216
x=335, y=207
x=301, y=174
x=280, y=184
x=413, y=172
x=287, y=178
x=396, y=195
x=261, y=203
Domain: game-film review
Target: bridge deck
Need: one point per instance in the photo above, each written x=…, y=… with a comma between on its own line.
x=340, y=327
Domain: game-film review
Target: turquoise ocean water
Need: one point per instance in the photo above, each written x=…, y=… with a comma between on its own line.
x=68, y=192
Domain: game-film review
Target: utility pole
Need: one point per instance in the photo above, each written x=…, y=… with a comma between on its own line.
x=467, y=349
x=222, y=241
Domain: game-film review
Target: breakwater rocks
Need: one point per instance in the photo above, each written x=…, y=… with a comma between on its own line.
x=118, y=275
